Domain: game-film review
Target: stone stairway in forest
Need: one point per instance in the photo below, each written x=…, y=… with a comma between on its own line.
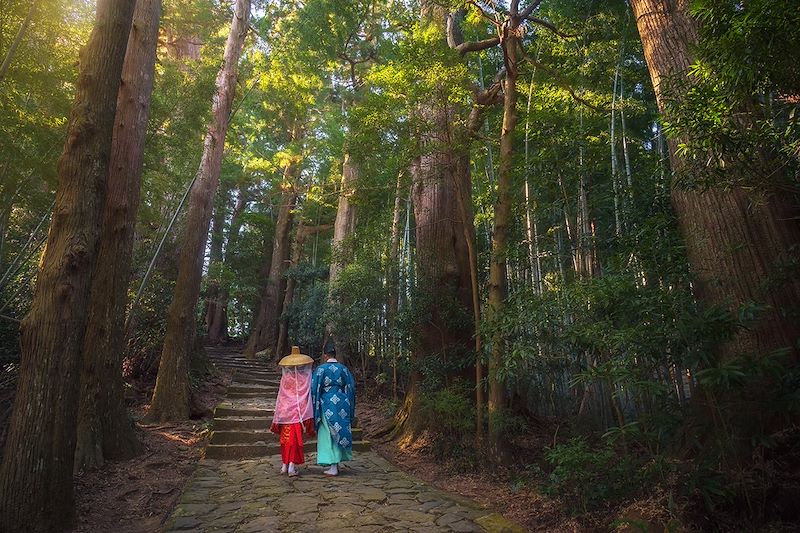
x=242, y=420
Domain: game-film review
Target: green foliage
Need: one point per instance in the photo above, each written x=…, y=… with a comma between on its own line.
x=586, y=477
x=738, y=123
x=449, y=414
x=356, y=299
x=306, y=314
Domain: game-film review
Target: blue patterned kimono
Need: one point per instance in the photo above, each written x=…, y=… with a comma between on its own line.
x=333, y=390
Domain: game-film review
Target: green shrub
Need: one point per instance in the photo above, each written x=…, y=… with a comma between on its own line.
x=586, y=477
x=449, y=414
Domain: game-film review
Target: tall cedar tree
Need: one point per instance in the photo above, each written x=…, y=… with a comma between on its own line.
x=171, y=397
x=36, y=492
x=265, y=331
x=438, y=176
x=736, y=239
x=343, y=227
x=105, y=430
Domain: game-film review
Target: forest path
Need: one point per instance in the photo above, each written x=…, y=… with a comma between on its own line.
x=249, y=495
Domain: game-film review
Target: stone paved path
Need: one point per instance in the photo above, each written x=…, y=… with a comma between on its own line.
x=238, y=486
x=370, y=495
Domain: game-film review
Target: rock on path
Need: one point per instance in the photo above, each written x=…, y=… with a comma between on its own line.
x=369, y=495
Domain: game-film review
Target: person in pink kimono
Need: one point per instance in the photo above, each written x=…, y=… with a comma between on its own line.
x=294, y=411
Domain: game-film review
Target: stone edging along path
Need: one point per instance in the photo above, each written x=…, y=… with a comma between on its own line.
x=249, y=495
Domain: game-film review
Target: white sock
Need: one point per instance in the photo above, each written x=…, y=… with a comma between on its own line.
x=292, y=468
x=284, y=468
x=333, y=470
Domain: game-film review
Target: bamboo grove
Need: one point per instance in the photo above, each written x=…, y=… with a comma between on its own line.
x=509, y=215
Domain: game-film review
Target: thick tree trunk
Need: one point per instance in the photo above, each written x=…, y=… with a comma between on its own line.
x=502, y=219
x=345, y=221
x=105, y=431
x=736, y=239
x=301, y=234
x=443, y=283
x=343, y=228
x=36, y=492
x=443, y=259
x=282, y=344
x=265, y=331
x=171, y=397
x=442, y=252
x=216, y=317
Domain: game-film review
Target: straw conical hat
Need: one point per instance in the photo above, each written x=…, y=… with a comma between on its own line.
x=295, y=358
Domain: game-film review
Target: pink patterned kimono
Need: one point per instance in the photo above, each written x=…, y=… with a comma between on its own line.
x=294, y=412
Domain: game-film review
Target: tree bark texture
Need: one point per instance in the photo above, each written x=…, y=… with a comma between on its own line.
x=736, y=239
x=265, y=331
x=343, y=228
x=442, y=251
x=171, y=397
x=105, y=431
x=36, y=492
x=442, y=261
x=502, y=219
x=216, y=315
x=345, y=221
x=393, y=276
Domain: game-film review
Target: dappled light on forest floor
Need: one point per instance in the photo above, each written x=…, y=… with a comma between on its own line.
x=137, y=495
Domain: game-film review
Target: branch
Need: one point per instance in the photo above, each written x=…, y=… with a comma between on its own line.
x=563, y=83
x=550, y=26
x=309, y=230
x=485, y=99
x=528, y=10
x=483, y=13
x=455, y=39
x=476, y=46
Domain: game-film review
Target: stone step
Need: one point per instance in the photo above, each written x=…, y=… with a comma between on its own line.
x=238, y=361
x=233, y=411
x=220, y=358
x=261, y=436
x=257, y=373
x=255, y=435
x=241, y=379
x=239, y=451
x=261, y=376
x=241, y=367
x=239, y=423
x=260, y=389
x=253, y=394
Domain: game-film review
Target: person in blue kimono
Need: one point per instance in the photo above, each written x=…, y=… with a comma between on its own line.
x=333, y=390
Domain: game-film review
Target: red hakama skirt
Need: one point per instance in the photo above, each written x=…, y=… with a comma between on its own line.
x=291, y=439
